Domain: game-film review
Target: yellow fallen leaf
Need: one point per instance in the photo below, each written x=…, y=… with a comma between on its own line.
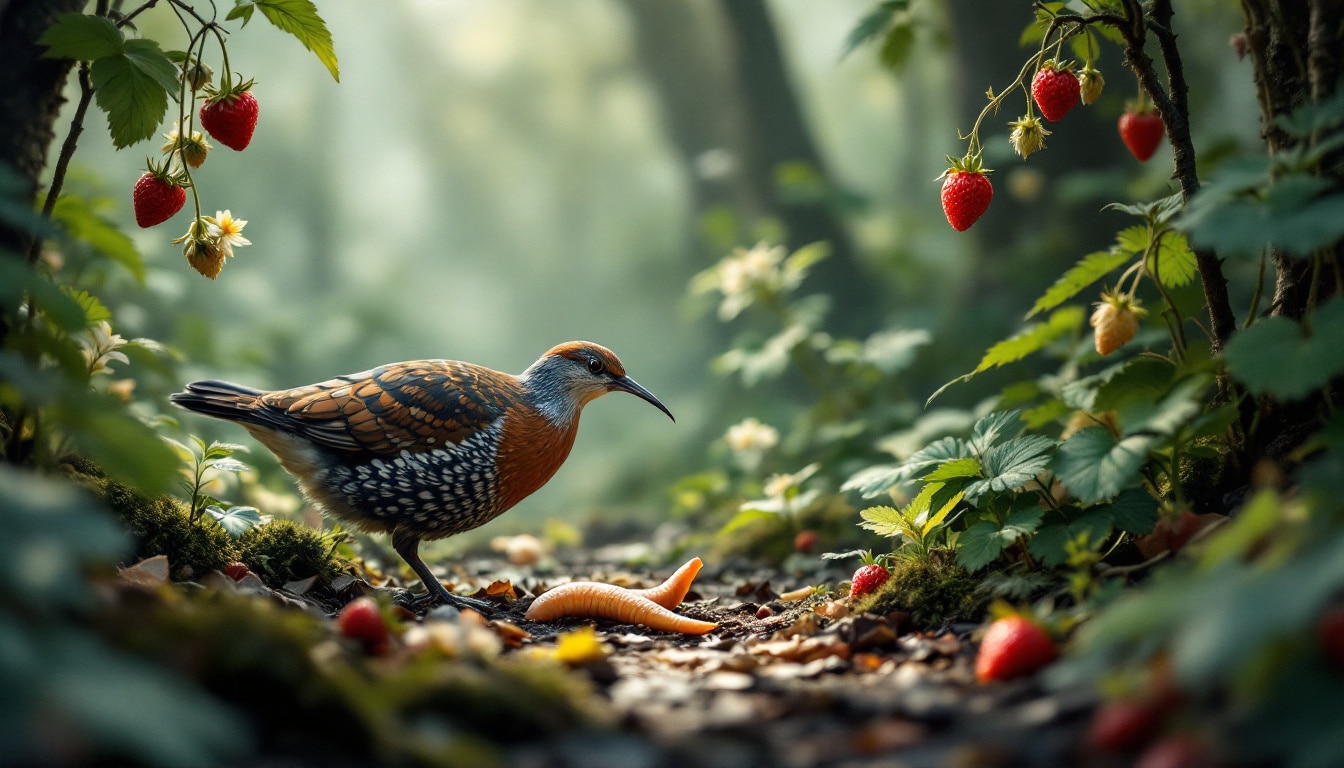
x=580, y=647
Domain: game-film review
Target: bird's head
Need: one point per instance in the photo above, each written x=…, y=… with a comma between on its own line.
x=570, y=375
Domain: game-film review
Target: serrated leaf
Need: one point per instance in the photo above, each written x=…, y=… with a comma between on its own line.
x=82, y=37
x=1095, y=466
x=1274, y=356
x=1034, y=338
x=983, y=541
x=94, y=310
x=83, y=224
x=300, y=19
x=885, y=521
x=1012, y=464
x=1174, y=262
x=243, y=10
x=978, y=545
x=995, y=427
x=1048, y=544
x=877, y=480
x=954, y=468
x=940, y=517
x=235, y=520
x=1134, y=240
x=1133, y=511
x=1087, y=271
x=132, y=88
x=1297, y=212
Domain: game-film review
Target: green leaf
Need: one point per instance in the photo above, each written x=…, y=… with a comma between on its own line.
x=94, y=310
x=1135, y=239
x=184, y=454
x=1133, y=511
x=983, y=541
x=1274, y=356
x=1012, y=464
x=300, y=19
x=893, y=351
x=878, y=480
x=132, y=88
x=1087, y=271
x=243, y=10
x=126, y=448
x=978, y=545
x=218, y=450
x=1095, y=466
x=1049, y=543
x=1034, y=338
x=872, y=24
x=82, y=37
x=82, y=224
x=235, y=520
x=940, y=517
x=885, y=521
x=995, y=427
x=898, y=45
x=954, y=468
x=1174, y=262
x=1297, y=212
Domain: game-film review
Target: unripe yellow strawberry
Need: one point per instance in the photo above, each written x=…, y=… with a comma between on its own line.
x=1090, y=83
x=1028, y=135
x=1116, y=320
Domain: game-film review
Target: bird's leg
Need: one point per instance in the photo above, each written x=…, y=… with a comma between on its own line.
x=408, y=546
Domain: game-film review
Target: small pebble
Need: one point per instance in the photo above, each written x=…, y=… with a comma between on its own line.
x=764, y=612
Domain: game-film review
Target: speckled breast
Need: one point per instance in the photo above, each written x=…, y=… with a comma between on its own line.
x=436, y=493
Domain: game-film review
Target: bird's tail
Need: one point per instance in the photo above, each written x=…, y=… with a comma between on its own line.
x=220, y=399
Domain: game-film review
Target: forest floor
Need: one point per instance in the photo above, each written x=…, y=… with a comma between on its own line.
x=797, y=683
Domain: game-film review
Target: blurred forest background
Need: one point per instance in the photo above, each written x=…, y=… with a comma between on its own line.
x=489, y=179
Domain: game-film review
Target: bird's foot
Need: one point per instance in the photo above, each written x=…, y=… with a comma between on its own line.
x=441, y=596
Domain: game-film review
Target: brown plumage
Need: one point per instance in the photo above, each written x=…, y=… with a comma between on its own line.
x=427, y=448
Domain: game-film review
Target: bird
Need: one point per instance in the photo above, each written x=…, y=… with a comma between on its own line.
x=424, y=449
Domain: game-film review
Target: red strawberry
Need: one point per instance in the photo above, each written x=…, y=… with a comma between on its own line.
x=360, y=620
x=805, y=540
x=1141, y=130
x=966, y=192
x=236, y=571
x=867, y=579
x=158, y=195
x=1330, y=635
x=230, y=115
x=1120, y=726
x=1055, y=89
x=1013, y=646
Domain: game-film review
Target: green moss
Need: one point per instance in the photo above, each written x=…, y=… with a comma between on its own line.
x=932, y=591
x=161, y=525
x=283, y=551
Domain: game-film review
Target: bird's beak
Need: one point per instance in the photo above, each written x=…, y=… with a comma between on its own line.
x=627, y=384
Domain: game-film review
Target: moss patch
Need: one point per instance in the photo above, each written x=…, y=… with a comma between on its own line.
x=932, y=591
x=161, y=525
x=283, y=551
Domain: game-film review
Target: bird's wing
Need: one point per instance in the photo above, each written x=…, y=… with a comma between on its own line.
x=416, y=406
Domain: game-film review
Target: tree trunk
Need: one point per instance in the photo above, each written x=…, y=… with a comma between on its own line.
x=30, y=98
x=1297, y=47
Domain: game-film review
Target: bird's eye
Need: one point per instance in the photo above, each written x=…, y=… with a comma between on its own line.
x=595, y=366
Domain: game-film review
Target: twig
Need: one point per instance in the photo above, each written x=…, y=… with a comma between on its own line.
x=67, y=152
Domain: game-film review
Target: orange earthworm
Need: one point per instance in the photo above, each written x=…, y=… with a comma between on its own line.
x=596, y=600
x=670, y=593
